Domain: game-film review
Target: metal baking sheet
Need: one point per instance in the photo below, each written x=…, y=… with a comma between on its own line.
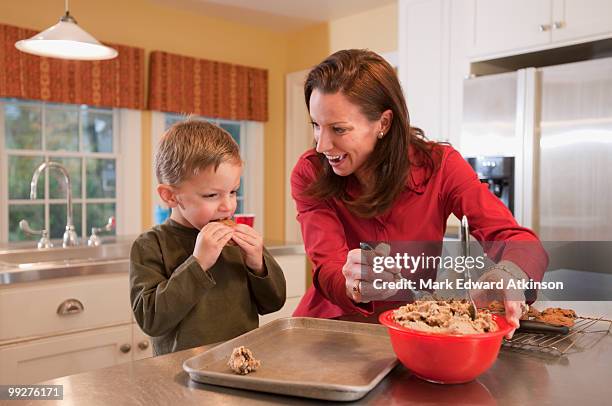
x=301, y=356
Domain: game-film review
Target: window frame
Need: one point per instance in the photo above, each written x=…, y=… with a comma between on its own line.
x=126, y=142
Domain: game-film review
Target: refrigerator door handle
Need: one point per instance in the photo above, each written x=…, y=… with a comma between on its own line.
x=526, y=162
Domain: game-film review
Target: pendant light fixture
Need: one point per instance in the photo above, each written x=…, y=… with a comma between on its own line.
x=66, y=40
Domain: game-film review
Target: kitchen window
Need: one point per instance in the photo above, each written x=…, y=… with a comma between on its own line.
x=83, y=139
x=235, y=128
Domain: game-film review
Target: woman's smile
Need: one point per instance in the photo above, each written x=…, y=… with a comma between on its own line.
x=335, y=160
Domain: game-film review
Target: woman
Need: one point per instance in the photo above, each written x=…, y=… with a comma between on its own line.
x=374, y=177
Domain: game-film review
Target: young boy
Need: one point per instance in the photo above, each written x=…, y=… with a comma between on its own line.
x=188, y=287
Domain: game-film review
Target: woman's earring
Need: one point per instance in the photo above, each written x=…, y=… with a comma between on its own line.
x=380, y=135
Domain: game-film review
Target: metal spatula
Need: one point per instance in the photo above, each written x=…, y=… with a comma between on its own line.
x=465, y=245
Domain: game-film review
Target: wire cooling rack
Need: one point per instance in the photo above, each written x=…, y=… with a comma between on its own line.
x=584, y=332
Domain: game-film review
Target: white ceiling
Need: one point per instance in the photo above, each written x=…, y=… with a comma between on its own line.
x=277, y=15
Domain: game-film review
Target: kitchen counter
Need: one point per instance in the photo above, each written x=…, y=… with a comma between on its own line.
x=517, y=378
x=28, y=246
x=21, y=263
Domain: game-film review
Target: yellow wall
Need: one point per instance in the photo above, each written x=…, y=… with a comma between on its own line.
x=144, y=24
x=307, y=47
x=151, y=26
x=374, y=29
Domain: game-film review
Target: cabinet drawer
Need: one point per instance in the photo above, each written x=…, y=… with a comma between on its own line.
x=39, y=360
x=32, y=309
x=141, y=344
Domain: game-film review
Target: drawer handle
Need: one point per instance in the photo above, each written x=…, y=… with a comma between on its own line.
x=143, y=345
x=70, y=306
x=125, y=348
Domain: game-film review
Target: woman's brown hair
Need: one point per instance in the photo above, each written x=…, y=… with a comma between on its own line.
x=368, y=81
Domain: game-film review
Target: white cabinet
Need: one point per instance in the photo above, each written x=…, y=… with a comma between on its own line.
x=439, y=38
x=433, y=45
x=141, y=344
x=294, y=269
x=504, y=27
x=47, y=358
x=577, y=19
x=422, y=64
x=66, y=326
x=59, y=305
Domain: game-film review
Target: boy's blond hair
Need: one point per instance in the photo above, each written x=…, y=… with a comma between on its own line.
x=191, y=146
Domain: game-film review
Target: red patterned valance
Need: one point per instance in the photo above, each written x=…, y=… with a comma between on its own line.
x=182, y=84
x=117, y=82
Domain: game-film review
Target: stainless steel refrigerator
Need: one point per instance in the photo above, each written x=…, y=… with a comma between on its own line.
x=556, y=122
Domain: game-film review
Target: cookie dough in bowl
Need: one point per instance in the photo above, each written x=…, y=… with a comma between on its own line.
x=444, y=317
x=437, y=344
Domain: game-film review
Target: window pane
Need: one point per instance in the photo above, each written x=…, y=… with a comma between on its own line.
x=20, y=172
x=23, y=126
x=241, y=188
x=240, y=206
x=62, y=128
x=98, y=214
x=101, y=175
x=34, y=213
x=233, y=129
x=174, y=118
x=57, y=185
x=57, y=219
x=97, y=130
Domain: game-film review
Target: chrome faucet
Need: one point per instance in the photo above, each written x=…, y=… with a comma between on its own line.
x=70, y=235
x=44, y=242
x=95, y=240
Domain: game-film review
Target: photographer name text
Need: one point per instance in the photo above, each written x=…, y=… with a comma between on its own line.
x=429, y=284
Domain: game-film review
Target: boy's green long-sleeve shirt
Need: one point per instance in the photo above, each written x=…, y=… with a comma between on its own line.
x=181, y=306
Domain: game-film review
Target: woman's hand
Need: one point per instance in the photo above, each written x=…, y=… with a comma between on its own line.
x=513, y=299
x=251, y=247
x=359, y=275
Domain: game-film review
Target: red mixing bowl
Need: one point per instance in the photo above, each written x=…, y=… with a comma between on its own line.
x=445, y=358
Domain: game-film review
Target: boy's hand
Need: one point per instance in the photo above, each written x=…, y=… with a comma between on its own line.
x=251, y=247
x=211, y=240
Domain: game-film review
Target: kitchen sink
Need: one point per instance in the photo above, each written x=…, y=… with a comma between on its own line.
x=19, y=264
x=30, y=264
x=65, y=255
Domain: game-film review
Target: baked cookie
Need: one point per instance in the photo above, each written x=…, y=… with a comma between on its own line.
x=230, y=223
x=529, y=312
x=559, y=311
x=557, y=316
x=556, y=320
